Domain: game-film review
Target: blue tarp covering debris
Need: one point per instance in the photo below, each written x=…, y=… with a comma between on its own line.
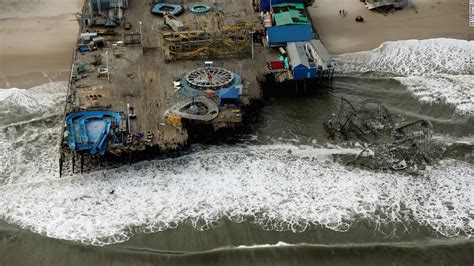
x=89, y=131
x=280, y=35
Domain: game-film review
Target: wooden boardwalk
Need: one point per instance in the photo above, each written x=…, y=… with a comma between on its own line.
x=140, y=78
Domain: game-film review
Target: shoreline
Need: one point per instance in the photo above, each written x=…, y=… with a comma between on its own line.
x=27, y=58
x=36, y=45
x=29, y=79
x=427, y=20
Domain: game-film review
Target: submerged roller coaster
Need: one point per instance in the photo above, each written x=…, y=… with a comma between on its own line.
x=387, y=145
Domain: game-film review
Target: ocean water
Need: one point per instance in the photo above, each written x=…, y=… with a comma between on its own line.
x=434, y=70
x=280, y=188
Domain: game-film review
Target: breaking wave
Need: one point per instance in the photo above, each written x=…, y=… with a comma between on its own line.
x=454, y=90
x=21, y=104
x=279, y=187
x=413, y=58
x=34, y=100
x=276, y=186
x=434, y=70
x=29, y=132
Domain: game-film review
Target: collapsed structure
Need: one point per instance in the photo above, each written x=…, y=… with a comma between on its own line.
x=134, y=90
x=387, y=144
x=377, y=4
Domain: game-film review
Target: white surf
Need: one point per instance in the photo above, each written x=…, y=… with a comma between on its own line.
x=281, y=186
x=434, y=70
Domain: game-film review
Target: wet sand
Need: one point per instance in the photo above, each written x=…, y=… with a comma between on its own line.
x=427, y=19
x=157, y=249
x=37, y=38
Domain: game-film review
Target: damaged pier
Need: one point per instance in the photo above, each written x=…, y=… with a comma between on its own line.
x=143, y=72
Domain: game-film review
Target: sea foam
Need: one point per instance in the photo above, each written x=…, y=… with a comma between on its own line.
x=35, y=100
x=280, y=187
x=29, y=132
x=456, y=90
x=276, y=186
x=435, y=70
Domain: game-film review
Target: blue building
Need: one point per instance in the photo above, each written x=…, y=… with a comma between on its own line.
x=302, y=67
x=281, y=35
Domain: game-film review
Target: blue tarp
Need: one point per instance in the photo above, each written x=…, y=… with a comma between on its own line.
x=229, y=93
x=265, y=4
x=280, y=35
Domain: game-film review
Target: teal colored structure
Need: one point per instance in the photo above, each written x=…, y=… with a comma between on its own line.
x=289, y=14
x=167, y=8
x=199, y=8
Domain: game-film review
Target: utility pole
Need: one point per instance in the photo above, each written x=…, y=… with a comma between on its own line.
x=251, y=42
x=141, y=36
x=107, y=64
x=91, y=11
x=120, y=10
x=128, y=119
x=98, y=7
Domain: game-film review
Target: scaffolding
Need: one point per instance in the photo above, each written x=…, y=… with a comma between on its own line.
x=387, y=145
x=208, y=37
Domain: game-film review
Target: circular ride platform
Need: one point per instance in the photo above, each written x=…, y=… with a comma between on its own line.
x=212, y=78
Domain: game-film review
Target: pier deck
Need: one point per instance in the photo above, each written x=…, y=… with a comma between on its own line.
x=138, y=75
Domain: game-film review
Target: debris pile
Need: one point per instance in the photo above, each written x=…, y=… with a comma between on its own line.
x=388, y=145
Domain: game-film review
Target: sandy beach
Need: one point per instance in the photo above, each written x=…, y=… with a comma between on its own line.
x=37, y=37
x=426, y=19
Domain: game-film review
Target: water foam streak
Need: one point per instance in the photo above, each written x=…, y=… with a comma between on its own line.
x=29, y=132
x=280, y=190
x=279, y=187
x=434, y=70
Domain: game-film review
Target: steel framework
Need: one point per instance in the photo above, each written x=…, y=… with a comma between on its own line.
x=208, y=37
x=390, y=146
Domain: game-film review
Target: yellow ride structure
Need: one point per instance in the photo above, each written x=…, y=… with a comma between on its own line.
x=208, y=37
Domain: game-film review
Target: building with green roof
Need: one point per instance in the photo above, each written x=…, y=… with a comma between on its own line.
x=289, y=14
